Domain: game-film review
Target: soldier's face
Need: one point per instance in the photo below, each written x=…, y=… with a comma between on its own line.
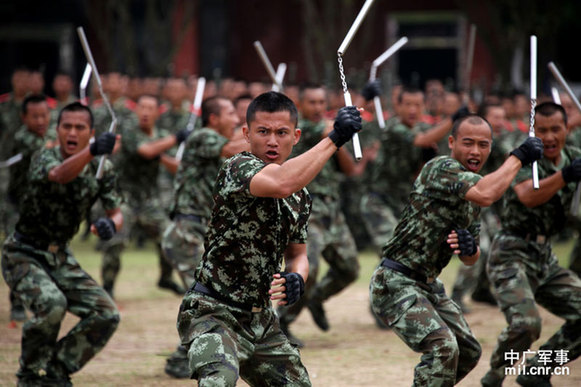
x=496, y=117
x=272, y=136
x=313, y=104
x=74, y=132
x=227, y=120
x=411, y=108
x=553, y=132
x=147, y=112
x=37, y=118
x=472, y=144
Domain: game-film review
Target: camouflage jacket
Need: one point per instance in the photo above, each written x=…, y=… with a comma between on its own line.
x=123, y=108
x=548, y=218
x=137, y=175
x=52, y=212
x=11, y=122
x=398, y=163
x=247, y=235
x=173, y=121
x=436, y=206
x=327, y=181
x=197, y=173
x=25, y=143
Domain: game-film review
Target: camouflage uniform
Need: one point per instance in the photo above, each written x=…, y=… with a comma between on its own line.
x=39, y=266
x=391, y=178
x=524, y=271
x=574, y=138
x=235, y=332
x=137, y=177
x=419, y=311
x=328, y=233
x=183, y=240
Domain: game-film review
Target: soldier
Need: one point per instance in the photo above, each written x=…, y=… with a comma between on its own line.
x=10, y=108
x=441, y=219
x=328, y=233
x=522, y=266
x=183, y=240
x=226, y=320
x=142, y=152
x=114, y=84
x=38, y=265
x=241, y=105
x=177, y=111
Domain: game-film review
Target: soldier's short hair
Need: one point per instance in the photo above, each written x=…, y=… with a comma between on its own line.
x=272, y=102
x=485, y=107
x=309, y=86
x=547, y=109
x=473, y=119
x=211, y=106
x=33, y=98
x=408, y=90
x=76, y=107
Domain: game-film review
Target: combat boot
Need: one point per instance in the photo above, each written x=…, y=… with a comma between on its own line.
x=316, y=308
x=493, y=378
x=57, y=375
x=485, y=296
x=177, y=365
x=171, y=285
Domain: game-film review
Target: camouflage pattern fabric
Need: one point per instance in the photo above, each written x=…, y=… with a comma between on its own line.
x=328, y=233
x=225, y=343
x=390, y=179
x=428, y=322
x=50, y=281
x=422, y=315
x=10, y=115
x=123, y=108
x=247, y=236
x=183, y=240
x=524, y=271
x=245, y=244
x=173, y=121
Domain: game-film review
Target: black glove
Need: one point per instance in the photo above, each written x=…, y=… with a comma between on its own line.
x=105, y=228
x=466, y=242
x=182, y=135
x=347, y=123
x=103, y=144
x=572, y=172
x=530, y=150
x=294, y=286
x=371, y=90
x=460, y=113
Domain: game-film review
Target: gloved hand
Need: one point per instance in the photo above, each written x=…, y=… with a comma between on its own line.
x=460, y=113
x=294, y=286
x=371, y=90
x=530, y=150
x=103, y=144
x=572, y=172
x=105, y=228
x=347, y=123
x=466, y=243
x=182, y=135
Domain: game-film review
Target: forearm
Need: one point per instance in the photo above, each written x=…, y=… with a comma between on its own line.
x=470, y=260
x=433, y=135
x=170, y=163
x=298, y=264
x=283, y=180
x=548, y=187
x=492, y=186
x=69, y=169
x=155, y=148
x=117, y=217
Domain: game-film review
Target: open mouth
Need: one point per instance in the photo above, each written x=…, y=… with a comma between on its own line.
x=550, y=148
x=473, y=164
x=272, y=154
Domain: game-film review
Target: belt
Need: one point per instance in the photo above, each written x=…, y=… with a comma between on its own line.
x=200, y=288
x=396, y=266
x=531, y=237
x=40, y=245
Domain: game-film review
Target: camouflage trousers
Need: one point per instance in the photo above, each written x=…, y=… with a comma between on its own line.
x=183, y=247
x=150, y=219
x=428, y=321
x=474, y=277
x=379, y=218
x=575, y=258
x=225, y=343
x=524, y=273
x=329, y=237
x=50, y=284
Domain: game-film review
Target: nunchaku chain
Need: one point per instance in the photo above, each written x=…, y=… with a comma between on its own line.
x=342, y=73
x=532, y=119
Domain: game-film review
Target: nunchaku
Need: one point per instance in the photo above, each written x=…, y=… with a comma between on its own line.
x=563, y=83
x=194, y=114
x=534, y=104
x=91, y=61
x=340, y=53
x=276, y=77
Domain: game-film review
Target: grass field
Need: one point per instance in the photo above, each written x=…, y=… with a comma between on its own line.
x=352, y=353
